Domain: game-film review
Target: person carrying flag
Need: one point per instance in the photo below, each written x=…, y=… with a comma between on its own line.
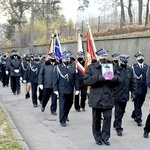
x=83, y=88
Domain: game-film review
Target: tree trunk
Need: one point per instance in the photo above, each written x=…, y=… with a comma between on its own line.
x=147, y=13
x=122, y=13
x=140, y=11
x=130, y=12
x=48, y=12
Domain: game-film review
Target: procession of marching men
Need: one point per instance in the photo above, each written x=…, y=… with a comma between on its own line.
x=105, y=83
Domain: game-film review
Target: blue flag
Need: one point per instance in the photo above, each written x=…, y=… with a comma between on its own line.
x=57, y=48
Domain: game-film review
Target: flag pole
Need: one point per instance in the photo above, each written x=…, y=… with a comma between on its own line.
x=91, y=38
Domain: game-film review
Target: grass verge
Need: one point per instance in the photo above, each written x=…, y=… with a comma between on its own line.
x=7, y=140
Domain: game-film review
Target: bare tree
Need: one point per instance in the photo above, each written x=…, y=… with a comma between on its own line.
x=122, y=13
x=140, y=5
x=147, y=13
x=130, y=12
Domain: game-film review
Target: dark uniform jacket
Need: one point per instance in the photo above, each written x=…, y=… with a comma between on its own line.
x=128, y=83
x=14, y=62
x=65, y=79
x=140, y=76
x=25, y=68
x=101, y=92
x=33, y=71
x=148, y=77
x=81, y=76
x=46, y=75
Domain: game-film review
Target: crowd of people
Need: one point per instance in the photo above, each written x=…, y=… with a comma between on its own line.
x=47, y=77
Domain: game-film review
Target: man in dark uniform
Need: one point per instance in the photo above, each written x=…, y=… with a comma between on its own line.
x=139, y=71
x=33, y=72
x=115, y=59
x=121, y=92
x=3, y=64
x=83, y=88
x=65, y=79
x=45, y=82
x=101, y=97
x=14, y=67
x=26, y=79
x=147, y=124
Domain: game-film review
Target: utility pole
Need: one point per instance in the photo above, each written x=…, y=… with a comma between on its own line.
x=32, y=28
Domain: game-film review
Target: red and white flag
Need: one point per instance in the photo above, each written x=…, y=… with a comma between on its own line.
x=51, y=47
x=80, y=49
x=90, y=48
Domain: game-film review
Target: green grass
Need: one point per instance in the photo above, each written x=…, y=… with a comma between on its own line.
x=7, y=140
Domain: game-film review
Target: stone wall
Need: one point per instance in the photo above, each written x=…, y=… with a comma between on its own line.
x=122, y=45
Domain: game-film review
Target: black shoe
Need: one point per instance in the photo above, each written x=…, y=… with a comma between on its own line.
x=99, y=142
x=145, y=135
x=63, y=124
x=139, y=124
x=78, y=110
x=42, y=109
x=28, y=95
x=119, y=133
x=106, y=142
x=67, y=119
x=18, y=92
x=54, y=113
x=34, y=105
x=83, y=109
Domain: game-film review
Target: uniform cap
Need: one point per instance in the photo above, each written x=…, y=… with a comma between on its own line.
x=65, y=55
x=14, y=51
x=124, y=58
x=52, y=54
x=101, y=52
x=80, y=53
x=138, y=54
x=115, y=55
x=68, y=52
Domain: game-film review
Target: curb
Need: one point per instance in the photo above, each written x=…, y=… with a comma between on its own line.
x=14, y=129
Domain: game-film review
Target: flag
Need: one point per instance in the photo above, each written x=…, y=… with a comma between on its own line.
x=90, y=48
x=51, y=47
x=57, y=48
x=80, y=45
x=80, y=49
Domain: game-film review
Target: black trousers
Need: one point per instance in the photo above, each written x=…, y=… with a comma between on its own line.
x=15, y=84
x=138, y=103
x=119, y=112
x=34, y=87
x=101, y=128
x=65, y=104
x=47, y=93
x=80, y=104
x=147, y=124
x=5, y=79
x=53, y=107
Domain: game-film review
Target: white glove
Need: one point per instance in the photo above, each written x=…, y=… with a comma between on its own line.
x=24, y=81
x=16, y=70
x=7, y=72
x=41, y=86
x=56, y=92
x=77, y=92
x=21, y=78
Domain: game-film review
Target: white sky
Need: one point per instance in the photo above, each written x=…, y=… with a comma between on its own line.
x=70, y=10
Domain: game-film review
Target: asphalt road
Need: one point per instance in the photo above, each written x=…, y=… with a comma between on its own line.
x=36, y=130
